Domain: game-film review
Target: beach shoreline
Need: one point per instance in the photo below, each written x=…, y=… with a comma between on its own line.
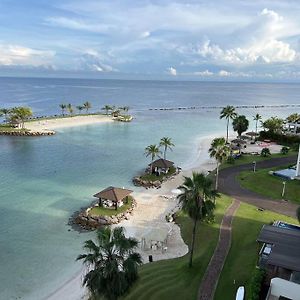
x=147, y=199
x=45, y=125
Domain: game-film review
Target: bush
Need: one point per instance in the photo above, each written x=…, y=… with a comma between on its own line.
x=279, y=138
x=231, y=160
x=256, y=283
x=284, y=150
x=265, y=152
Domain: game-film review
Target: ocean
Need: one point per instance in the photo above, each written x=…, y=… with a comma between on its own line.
x=44, y=180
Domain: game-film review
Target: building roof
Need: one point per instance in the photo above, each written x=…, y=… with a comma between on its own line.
x=286, y=246
x=113, y=193
x=162, y=163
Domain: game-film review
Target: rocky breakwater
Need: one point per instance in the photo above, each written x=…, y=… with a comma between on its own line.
x=138, y=181
x=88, y=221
x=27, y=133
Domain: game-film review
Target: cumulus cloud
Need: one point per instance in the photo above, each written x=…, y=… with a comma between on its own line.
x=92, y=60
x=224, y=73
x=20, y=55
x=172, y=71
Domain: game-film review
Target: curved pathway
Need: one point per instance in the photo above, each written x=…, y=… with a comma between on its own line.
x=215, y=266
x=228, y=184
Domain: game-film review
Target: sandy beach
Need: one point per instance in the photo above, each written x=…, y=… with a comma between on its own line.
x=53, y=124
x=149, y=215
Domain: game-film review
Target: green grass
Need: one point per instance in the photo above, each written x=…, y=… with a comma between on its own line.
x=271, y=186
x=153, y=177
x=247, y=158
x=173, y=279
x=101, y=211
x=8, y=128
x=242, y=258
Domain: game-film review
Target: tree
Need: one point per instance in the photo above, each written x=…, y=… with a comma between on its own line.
x=5, y=112
x=293, y=118
x=166, y=142
x=124, y=108
x=87, y=105
x=228, y=113
x=220, y=151
x=112, y=264
x=273, y=124
x=70, y=108
x=80, y=108
x=63, y=108
x=107, y=108
x=240, y=124
x=256, y=118
x=284, y=150
x=265, y=152
x=195, y=200
x=153, y=151
x=20, y=114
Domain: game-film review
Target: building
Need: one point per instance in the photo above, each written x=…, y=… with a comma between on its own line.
x=293, y=127
x=161, y=165
x=113, y=197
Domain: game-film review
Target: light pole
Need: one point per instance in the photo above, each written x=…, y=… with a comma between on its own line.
x=254, y=166
x=283, y=188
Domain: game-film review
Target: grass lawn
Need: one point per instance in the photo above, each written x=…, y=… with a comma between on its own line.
x=153, y=177
x=271, y=186
x=246, y=159
x=101, y=211
x=173, y=279
x=6, y=127
x=243, y=254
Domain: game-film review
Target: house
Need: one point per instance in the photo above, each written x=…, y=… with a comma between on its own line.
x=113, y=197
x=161, y=165
x=293, y=127
x=280, y=257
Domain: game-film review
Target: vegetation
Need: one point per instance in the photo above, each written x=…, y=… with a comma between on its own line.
x=195, y=200
x=282, y=139
x=70, y=108
x=87, y=105
x=63, y=108
x=172, y=279
x=284, y=150
x=107, y=108
x=79, y=108
x=256, y=282
x=153, y=177
x=240, y=124
x=153, y=151
x=243, y=254
x=220, y=151
x=112, y=263
x=102, y=211
x=298, y=214
x=293, y=118
x=270, y=186
x=257, y=118
x=273, y=125
x=228, y=113
x=4, y=112
x=166, y=143
x=265, y=152
x=20, y=114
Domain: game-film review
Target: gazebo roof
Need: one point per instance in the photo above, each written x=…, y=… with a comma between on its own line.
x=162, y=163
x=113, y=194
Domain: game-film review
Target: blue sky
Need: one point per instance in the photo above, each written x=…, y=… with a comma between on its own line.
x=205, y=40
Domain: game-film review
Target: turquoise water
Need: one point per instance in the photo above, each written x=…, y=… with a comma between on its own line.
x=44, y=180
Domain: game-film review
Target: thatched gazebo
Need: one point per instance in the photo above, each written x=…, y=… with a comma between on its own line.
x=113, y=197
x=161, y=165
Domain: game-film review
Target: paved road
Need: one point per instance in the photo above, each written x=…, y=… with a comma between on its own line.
x=229, y=185
x=214, y=269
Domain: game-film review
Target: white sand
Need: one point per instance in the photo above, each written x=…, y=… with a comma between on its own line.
x=52, y=124
x=150, y=213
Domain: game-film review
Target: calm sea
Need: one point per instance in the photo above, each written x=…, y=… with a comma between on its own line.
x=44, y=180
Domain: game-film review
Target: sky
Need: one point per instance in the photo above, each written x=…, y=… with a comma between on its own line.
x=201, y=40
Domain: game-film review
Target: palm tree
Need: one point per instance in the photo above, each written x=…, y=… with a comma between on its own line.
x=240, y=124
x=228, y=113
x=63, y=107
x=112, y=264
x=21, y=114
x=273, y=124
x=166, y=142
x=80, y=108
x=256, y=118
x=70, y=108
x=5, y=112
x=293, y=118
x=195, y=200
x=107, y=108
x=220, y=151
x=153, y=151
x=87, y=105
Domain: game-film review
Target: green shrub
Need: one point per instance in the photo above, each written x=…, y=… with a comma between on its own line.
x=284, y=150
x=256, y=283
x=283, y=139
x=265, y=152
x=231, y=160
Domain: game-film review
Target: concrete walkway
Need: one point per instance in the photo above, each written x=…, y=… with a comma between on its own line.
x=214, y=269
x=229, y=185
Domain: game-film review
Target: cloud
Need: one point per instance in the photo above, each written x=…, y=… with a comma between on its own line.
x=20, y=55
x=172, y=71
x=92, y=60
x=205, y=73
x=224, y=73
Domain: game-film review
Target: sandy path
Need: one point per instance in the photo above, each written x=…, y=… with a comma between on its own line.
x=52, y=124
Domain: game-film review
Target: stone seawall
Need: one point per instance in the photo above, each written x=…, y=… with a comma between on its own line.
x=27, y=133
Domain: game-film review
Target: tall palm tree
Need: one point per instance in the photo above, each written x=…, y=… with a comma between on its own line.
x=195, y=200
x=240, y=124
x=166, y=142
x=80, y=108
x=87, y=105
x=228, y=113
x=257, y=118
x=293, y=118
x=70, y=108
x=112, y=264
x=107, y=108
x=63, y=108
x=153, y=151
x=220, y=151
